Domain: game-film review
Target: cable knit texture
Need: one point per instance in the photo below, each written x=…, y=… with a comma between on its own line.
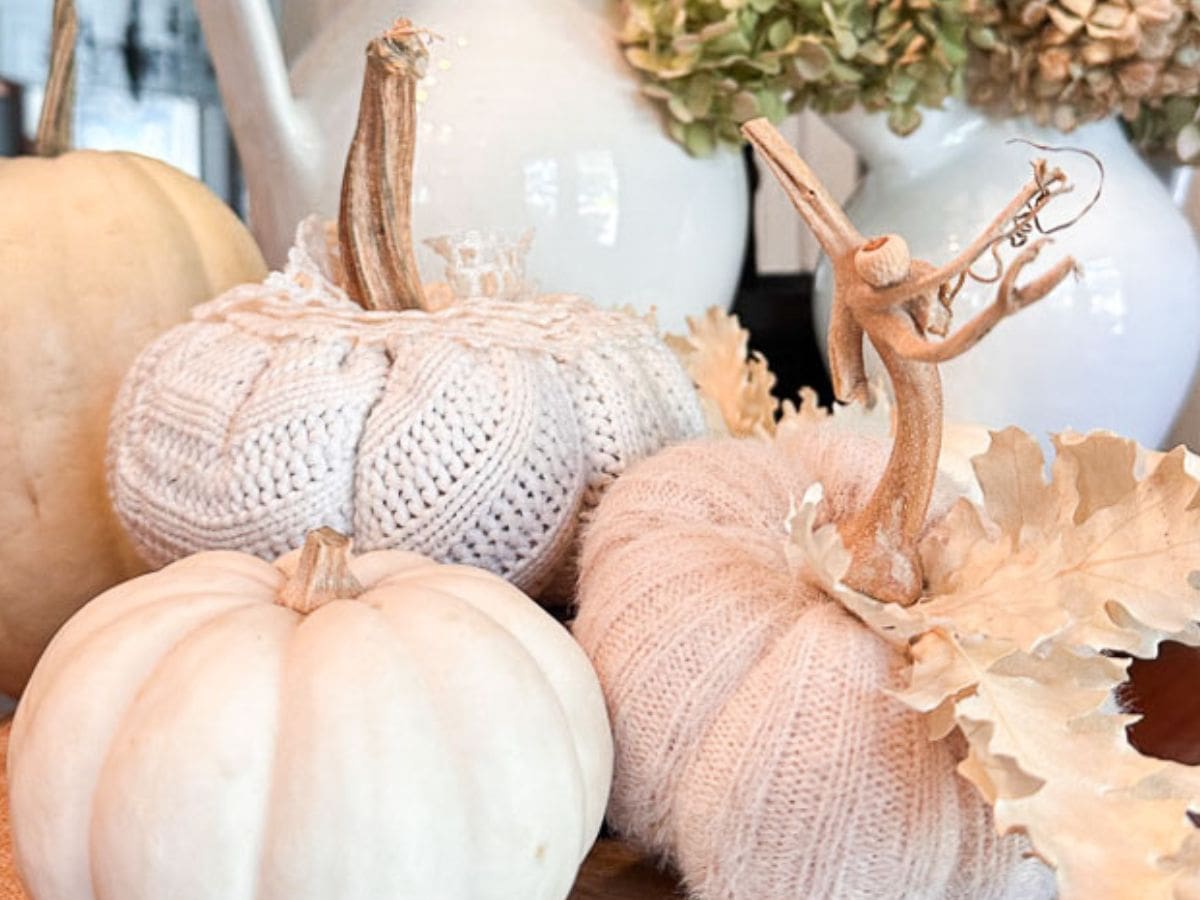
x=756, y=747
x=479, y=433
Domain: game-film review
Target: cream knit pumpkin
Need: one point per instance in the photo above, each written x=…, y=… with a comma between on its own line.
x=756, y=747
x=477, y=433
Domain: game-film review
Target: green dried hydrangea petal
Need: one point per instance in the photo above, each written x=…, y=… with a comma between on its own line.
x=699, y=138
x=780, y=33
x=771, y=105
x=904, y=120
x=714, y=63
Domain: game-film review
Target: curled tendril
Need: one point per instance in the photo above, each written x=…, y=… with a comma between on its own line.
x=1051, y=184
x=1046, y=194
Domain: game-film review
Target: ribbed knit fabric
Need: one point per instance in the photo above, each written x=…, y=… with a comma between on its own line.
x=755, y=745
x=480, y=433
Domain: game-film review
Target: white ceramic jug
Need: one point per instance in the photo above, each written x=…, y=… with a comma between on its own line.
x=1114, y=349
x=529, y=117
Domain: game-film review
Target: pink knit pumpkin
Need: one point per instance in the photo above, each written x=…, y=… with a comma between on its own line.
x=756, y=747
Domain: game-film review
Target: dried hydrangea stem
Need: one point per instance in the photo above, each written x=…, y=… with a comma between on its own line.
x=58, y=104
x=375, y=218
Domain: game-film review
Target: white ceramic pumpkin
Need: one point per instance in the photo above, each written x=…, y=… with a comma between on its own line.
x=475, y=424
x=228, y=728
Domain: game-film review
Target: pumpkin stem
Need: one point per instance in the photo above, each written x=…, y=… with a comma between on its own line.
x=58, y=106
x=375, y=219
x=323, y=573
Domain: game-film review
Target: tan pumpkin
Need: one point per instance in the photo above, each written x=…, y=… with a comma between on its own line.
x=325, y=727
x=99, y=252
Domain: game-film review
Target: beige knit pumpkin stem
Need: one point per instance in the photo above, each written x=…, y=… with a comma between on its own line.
x=58, y=106
x=375, y=219
x=323, y=573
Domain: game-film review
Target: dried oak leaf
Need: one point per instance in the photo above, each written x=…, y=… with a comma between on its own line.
x=1095, y=557
x=1026, y=598
x=734, y=384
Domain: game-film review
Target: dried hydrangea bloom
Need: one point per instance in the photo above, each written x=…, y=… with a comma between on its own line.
x=715, y=65
x=1067, y=62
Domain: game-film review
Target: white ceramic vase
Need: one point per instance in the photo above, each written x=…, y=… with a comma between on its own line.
x=529, y=117
x=1114, y=349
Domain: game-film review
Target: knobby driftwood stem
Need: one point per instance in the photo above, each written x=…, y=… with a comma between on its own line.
x=375, y=218
x=882, y=537
x=821, y=213
x=322, y=575
x=58, y=106
x=880, y=293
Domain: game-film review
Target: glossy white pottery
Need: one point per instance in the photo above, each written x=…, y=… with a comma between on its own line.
x=529, y=116
x=1115, y=349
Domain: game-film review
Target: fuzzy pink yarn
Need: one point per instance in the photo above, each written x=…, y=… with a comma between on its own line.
x=756, y=747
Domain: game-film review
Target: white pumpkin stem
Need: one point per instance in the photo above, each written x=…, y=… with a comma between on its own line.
x=58, y=105
x=323, y=573
x=375, y=219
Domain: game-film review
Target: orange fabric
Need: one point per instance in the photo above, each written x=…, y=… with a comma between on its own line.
x=10, y=884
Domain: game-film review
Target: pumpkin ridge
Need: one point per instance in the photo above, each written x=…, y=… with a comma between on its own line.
x=32, y=701
x=482, y=616
x=49, y=685
x=442, y=537
x=134, y=171
x=837, y=819
x=496, y=459
x=533, y=620
x=705, y=699
x=218, y=263
x=151, y=685
x=208, y=495
x=277, y=731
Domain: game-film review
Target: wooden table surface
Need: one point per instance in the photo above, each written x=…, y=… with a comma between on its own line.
x=1167, y=691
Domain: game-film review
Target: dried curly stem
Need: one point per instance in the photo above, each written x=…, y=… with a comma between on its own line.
x=879, y=293
x=375, y=218
x=322, y=575
x=58, y=105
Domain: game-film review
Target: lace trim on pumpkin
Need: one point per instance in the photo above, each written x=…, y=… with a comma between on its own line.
x=306, y=300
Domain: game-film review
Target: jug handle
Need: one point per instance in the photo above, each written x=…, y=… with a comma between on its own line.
x=276, y=138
